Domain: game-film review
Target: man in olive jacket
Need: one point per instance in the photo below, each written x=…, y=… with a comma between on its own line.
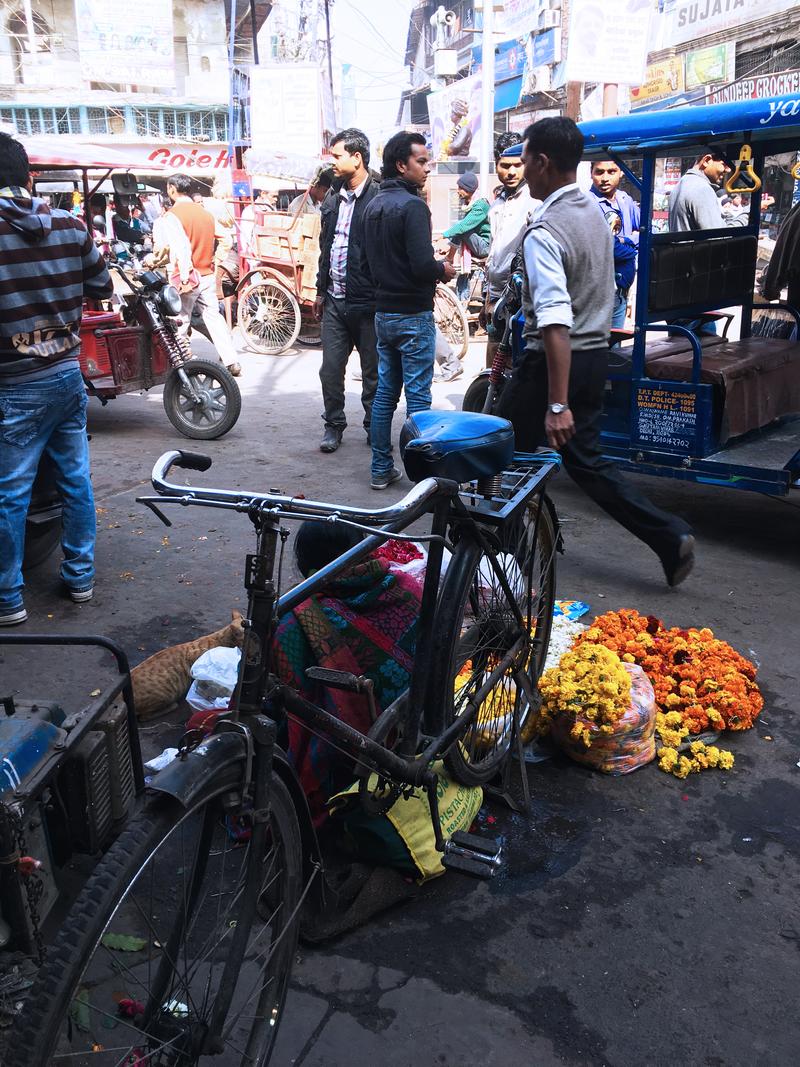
x=345, y=293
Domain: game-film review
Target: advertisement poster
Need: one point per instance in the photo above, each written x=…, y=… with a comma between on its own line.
x=608, y=42
x=520, y=17
x=286, y=111
x=661, y=80
x=685, y=21
x=123, y=50
x=455, y=116
x=715, y=64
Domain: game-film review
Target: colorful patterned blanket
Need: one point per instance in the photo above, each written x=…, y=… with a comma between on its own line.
x=365, y=623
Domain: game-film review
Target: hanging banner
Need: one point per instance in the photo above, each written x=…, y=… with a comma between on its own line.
x=608, y=43
x=786, y=83
x=520, y=17
x=286, y=109
x=684, y=21
x=123, y=47
x=661, y=80
x=455, y=115
x=715, y=64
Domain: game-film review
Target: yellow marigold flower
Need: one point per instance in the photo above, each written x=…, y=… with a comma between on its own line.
x=726, y=760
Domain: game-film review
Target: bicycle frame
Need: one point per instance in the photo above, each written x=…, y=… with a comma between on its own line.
x=257, y=685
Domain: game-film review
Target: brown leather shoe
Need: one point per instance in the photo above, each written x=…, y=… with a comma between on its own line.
x=235, y=369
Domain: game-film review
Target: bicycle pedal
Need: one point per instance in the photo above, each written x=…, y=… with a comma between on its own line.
x=337, y=679
x=472, y=855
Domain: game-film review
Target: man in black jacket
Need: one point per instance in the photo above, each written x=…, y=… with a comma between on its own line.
x=399, y=251
x=345, y=294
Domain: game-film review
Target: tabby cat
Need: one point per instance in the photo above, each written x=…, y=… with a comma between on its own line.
x=163, y=679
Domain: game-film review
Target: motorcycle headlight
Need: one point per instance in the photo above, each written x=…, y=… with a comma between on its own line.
x=170, y=300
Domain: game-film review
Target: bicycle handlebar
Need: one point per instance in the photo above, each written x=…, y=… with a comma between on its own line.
x=414, y=504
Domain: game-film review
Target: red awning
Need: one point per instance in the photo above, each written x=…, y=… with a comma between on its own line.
x=63, y=153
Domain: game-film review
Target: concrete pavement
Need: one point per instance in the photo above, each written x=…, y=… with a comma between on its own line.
x=638, y=920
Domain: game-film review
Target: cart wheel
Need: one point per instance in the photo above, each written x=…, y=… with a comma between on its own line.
x=451, y=319
x=269, y=317
x=208, y=405
x=310, y=332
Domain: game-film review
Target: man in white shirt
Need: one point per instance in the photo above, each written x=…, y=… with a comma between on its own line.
x=555, y=396
x=345, y=292
x=310, y=202
x=508, y=218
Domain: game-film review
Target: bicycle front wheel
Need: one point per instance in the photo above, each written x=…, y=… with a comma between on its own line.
x=135, y=972
x=481, y=624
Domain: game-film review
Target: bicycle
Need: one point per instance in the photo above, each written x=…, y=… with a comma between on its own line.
x=215, y=869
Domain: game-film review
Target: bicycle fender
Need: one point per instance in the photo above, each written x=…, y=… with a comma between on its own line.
x=187, y=779
x=312, y=856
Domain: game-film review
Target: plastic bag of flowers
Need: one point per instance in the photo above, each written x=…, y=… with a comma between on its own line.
x=599, y=711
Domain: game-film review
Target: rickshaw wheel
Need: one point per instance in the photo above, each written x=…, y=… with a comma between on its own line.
x=207, y=409
x=451, y=319
x=269, y=317
x=310, y=332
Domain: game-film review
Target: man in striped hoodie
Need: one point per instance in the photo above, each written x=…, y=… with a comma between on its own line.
x=48, y=262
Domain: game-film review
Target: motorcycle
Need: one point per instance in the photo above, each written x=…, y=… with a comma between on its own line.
x=138, y=346
x=484, y=392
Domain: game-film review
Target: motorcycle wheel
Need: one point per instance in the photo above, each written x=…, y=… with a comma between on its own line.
x=41, y=540
x=213, y=411
x=475, y=396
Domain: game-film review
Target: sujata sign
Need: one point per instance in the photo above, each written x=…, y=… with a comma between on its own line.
x=786, y=83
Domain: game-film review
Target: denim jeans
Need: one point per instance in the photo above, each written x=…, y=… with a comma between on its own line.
x=48, y=415
x=620, y=310
x=406, y=346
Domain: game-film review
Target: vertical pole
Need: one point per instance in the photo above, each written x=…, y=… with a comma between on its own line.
x=487, y=95
x=330, y=57
x=231, y=105
x=610, y=99
x=573, y=105
x=254, y=30
x=31, y=29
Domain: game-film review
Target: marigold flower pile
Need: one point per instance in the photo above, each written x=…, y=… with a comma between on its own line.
x=591, y=687
x=700, y=683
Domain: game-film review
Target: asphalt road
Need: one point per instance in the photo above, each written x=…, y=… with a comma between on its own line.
x=637, y=920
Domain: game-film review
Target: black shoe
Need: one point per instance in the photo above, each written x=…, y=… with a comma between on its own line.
x=369, y=439
x=383, y=481
x=680, y=560
x=331, y=439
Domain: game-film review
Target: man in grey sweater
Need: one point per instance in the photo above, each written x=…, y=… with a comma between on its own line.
x=694, y=203
x=556, y=393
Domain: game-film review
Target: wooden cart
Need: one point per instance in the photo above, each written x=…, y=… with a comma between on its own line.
x=276, y=294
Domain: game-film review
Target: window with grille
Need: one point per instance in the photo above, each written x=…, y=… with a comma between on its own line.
x=98, y=120
x=768, y=60
x=170, y=126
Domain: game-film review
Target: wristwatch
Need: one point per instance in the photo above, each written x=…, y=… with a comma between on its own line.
x=556, y=409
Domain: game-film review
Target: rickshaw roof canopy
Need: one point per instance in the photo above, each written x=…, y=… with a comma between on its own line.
x=769, y=118
x=61, y=153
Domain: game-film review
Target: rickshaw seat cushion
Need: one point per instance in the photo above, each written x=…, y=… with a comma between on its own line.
x=713, y=272
x=458, y=445
x=757, y=379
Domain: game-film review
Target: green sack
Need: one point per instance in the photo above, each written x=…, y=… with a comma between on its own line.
x=403, y=837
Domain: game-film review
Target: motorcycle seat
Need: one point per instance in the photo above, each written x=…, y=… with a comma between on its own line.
x=459, y=445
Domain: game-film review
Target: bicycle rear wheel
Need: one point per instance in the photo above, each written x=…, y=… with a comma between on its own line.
x=134, y=974
x=480, y=626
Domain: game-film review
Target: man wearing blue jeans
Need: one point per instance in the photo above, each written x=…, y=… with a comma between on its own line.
x=399, y=254
x=49, y=262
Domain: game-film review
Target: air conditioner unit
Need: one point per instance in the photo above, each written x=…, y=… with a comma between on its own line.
x=542, y=79
x=550, y=19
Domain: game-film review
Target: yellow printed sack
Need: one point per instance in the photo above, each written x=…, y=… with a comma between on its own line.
x=403, y=837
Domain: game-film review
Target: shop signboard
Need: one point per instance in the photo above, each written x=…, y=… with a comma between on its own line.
x=714, y=64
x=609, y=42
x=455, y=116
x=547, y=48
x=125, y=48
x=661, y=80
x=519, y=121
x=787, y=83
x=293, y=117
x=509, y=60
x=684, y=21
x=206, y=159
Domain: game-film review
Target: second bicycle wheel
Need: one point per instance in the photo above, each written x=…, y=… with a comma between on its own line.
x=449, y=315
x=135, y=972
x=480, y=626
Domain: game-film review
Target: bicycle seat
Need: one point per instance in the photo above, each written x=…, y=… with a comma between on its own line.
x=459, y=445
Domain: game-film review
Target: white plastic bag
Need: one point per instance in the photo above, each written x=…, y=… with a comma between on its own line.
x=215, y=674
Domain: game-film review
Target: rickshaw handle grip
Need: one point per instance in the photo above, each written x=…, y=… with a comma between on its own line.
x=190, y=461
x=744, y=166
